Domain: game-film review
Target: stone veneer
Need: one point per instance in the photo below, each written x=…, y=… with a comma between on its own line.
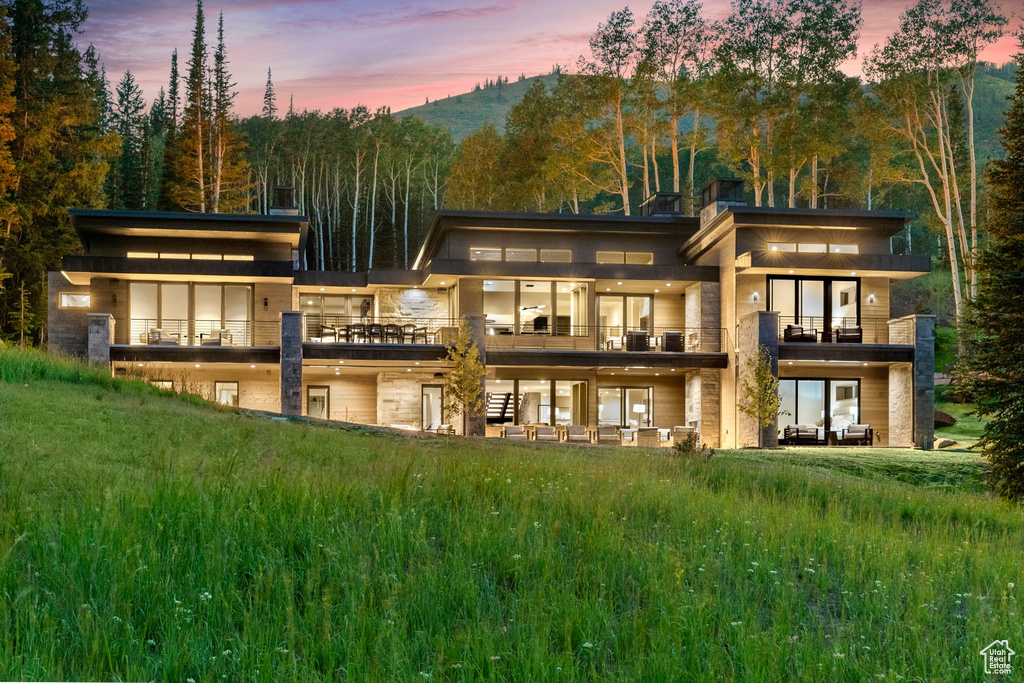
x=756, y=329
x=901, y=405
x=399, y=398
x=412, y=304
x=291, y=362
x=101, y=336
x=67, y=328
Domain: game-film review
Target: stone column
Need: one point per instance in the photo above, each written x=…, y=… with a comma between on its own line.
x=901, y=405
x=291, y=362
x=101, y=336
x=704, y=404
x=760, y=328
x=924, y=381
x=476, y=425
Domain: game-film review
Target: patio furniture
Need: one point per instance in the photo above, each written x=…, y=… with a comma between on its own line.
x=672, y=340
x=328, y=331
x=217, y=338
x=408, y=334
x=392, y=334
x=577, y=434
x=448, y=430
x=801, y=434
x=680, y=434
x=514, y=432
x=355, y=332
x=162, y=337
x=636, y=340
x=545, y=433
x=608, y=436
x=860, y=435
x=540, y=325
x=648, y=437
x=419, y=334
x=848, y=335
x=796, y=333
x=375, y=333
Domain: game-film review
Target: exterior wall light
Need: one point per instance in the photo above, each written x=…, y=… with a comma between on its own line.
x=871, y=298
x=755, y=297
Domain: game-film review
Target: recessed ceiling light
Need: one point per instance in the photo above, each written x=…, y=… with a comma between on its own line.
x=417, y=362
x=607, y=289
x=790, y=362
x=853, y=273
x=673, y=369
x=140, y=365
x=656, y=291
x=408, y=369
x=657, y=374
x=613, y=373
x=197, y=365
x=321, y=289
x=252, y=366
x=620, y=283
x=865, y=364
x=341, y=362
x=442, y=283
x=310, y=303
x=668, y=284
x=791, y=271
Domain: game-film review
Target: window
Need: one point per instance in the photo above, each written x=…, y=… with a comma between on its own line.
x=238, y=257
x=624, y=321
x=624, y=406
x=611, y=257
x=431, y=408
x=521, y=255
x=539, y=402
x=535, y=307
x=812, y=248
x=226, y=393
x=174, y=256
x=207, y=257
x=500, y=306
x=484, y=254
x=781, y=246
x=639, y=258
x=318, y=402
x=828, y=404
x=143, y=254
x=844, y=248
x=556, y=255
x=72, y=300
x=822, y=304
x=162, y=384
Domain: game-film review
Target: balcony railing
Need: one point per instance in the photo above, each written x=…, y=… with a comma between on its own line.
x=615, y=338
x=340, y=329
x=211, y=333
x=816, y=329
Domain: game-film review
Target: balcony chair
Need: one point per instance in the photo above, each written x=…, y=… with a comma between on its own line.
x=577, y=434
x=408, y=334
x=375, y=332
x=392, y=334
x=648, y=437
x=848, y=335
x=328, y=332
x=860, y=435
x=637, y=340
x=161, y=337
x=355, y=332
x=217, y=338
x=545, y=433
x=672, y=340
x=609, y=436
x=447, y=430
x=796, y=435
x=514, y=432
x=796, y=333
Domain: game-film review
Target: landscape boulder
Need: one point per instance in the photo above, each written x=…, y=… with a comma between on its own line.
x=944, y=443
x=943, y=419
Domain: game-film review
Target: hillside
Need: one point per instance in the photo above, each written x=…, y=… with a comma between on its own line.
x=468, y=112
x=149, y=536
x=471, y=111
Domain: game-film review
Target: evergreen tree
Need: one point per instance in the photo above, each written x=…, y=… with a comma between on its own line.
x=269, y=99
x=8, y=172
x=173, y=98
x=189, y=189
x=230, y=184
x=129, y=178
x=995, y=336
x=167, y=167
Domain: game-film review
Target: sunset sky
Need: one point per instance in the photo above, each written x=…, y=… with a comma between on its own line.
x=330, y=53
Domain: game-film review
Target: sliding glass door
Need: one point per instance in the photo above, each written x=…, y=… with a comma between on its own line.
x=828, y=404
x=822, y=304
x=625, y=406
x=619, y=316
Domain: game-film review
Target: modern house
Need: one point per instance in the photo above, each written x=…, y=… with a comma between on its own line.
x=593, y=321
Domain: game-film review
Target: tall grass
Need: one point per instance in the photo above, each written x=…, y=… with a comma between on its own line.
x=143, y=538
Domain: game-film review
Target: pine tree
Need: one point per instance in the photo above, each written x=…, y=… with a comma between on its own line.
x=128, y=188
x=269, y=99
x=167, y=168
x=230, y=183
x=995, y=319
x=173, y=98
x=189, y=190
x=8, y=172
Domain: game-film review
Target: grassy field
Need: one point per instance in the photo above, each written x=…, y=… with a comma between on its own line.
x=146, y=536
x=968, y=428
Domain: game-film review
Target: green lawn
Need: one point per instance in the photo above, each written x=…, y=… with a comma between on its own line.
x=145, y=536
x=968, y=428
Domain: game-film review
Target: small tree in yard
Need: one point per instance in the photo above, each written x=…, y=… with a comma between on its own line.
x=463, y=394
x=760, y=392
x=993, y=334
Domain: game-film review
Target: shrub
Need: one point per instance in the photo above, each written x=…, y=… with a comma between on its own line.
x=691, y=448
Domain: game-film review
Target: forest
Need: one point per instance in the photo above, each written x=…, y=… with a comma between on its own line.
x=662, y=103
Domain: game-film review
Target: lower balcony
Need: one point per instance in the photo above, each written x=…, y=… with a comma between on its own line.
x=810, y=329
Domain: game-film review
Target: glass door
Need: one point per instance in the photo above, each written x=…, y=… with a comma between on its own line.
x=611, y=313
x=318, y=402
x=432, y=400
x=638, y=407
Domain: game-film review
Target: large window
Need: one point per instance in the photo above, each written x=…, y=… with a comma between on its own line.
x=318, y=403
x=625, y=320
x=828, y=404
x=226, y=393
x=224, y=307
x=432, y=413
x=563, y=402
x=159, y=313
x=535, y=307
x=822, y=304
x=633, y=258
x=74, y=300
x=625, y=406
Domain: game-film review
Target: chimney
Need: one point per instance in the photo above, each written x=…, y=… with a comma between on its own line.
x=284, y=202
x=663, y=204
x=720, y=195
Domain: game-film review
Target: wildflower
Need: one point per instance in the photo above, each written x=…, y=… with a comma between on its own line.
x=226, y=653
x=736, y=623
x=516, y=556
x=283, y=650
x=190, y=680
x=150, y=642
x=456, y=666
x=1009, y=585
x=205, y=595
x=536, y=525
x=588, y=645
x=838, y=655
x=495, y=658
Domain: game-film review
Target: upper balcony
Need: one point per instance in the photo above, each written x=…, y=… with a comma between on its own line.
x=852, y=339
x=899, y=266
x=186, y=340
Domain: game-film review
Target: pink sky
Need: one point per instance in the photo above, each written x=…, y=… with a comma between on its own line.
x=338, y=53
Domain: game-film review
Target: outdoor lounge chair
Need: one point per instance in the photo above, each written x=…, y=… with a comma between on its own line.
x=609, y=436
x=515, y=432
x=672, y=340
x=860, y=435
x=848, y=335
x=796, y=333
x=648, y=437
x=217, y=338
x=681, y=434
x=162, y=337
x=577, y=434
x=448, y=430
x=801, y=434
x=545, y=433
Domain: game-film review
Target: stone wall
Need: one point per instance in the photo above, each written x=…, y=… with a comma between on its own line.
x=101, y=335
x=67, y=328
x=411, y=304
x=291, y=363
x=399, y=398
x=755, y=329
x=924, y=381
x=901, y=405
x=703, y=405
